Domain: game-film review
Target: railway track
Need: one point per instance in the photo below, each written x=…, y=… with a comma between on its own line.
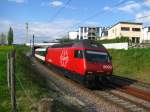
x=122, y=98
x=133, y=83
x=129, y=102
x=125, y=103
x=139, y=90
x=125, y=96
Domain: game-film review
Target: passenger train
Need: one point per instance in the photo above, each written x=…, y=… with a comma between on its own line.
x=85, y=60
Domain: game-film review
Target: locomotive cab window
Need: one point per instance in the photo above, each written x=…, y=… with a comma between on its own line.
x=95, y=56
x=78, y=54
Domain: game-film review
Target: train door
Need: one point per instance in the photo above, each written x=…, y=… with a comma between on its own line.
x=79, y=61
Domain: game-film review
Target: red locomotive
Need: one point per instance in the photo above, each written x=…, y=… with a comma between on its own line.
x=85, y=59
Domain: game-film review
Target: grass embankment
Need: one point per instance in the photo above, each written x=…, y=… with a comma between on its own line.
x=30, y=87
x=132, y=63
x=29, y=92
x=4, y=92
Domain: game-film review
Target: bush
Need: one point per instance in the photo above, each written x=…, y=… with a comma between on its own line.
x=117, y=40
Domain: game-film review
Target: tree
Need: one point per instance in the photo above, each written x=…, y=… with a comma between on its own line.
x=10, y=36
x=3, y=40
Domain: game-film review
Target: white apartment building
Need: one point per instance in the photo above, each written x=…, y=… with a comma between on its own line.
x=73, y=35
x=145, y=35
x=90, y=32
x=126, y=29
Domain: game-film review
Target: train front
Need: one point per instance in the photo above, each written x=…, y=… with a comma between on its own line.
x=98, y=64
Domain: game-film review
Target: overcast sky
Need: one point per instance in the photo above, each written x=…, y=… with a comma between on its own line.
x=51, y=19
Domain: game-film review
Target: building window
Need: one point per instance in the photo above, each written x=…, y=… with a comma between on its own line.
x=135, y=39
x=89, y=38
x=81, y=29
x=98, y=30
x=77, y=37
x=136, y=29
x=85, y=30
x=148, y=29
x=125, y=28
x=93, y=38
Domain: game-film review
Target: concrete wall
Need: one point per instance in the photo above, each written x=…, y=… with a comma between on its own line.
x=73, y=35
x=116, y=46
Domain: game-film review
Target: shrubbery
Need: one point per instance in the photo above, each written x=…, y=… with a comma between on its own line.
x=117, y=40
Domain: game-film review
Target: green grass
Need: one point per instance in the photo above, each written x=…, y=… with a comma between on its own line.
x=4, y=92
x=6, y=48
x=31, y=89
x=132, y=63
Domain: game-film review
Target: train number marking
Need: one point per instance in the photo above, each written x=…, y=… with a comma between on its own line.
x=64, y=58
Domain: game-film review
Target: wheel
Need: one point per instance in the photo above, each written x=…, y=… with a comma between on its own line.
x=90, y=83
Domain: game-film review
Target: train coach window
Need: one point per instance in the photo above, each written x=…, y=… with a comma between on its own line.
x=78, y=54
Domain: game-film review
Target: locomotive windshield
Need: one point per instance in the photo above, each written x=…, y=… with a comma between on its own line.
x=95, y=56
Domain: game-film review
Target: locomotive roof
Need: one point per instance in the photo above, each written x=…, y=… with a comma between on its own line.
x=82, y=43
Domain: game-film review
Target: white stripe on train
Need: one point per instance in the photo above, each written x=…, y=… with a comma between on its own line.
x=40, y=49
x=40, y=57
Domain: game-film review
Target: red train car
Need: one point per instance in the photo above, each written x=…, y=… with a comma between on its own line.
x=86, y=59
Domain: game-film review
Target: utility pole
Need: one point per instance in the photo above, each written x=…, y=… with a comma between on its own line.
x=8, y=70
x=33, y=46
x=27, y=31
x=30, y=44
x=13, y=82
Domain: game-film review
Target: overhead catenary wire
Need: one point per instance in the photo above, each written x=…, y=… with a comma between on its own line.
x=93, y=15
x=98, y=13
x=142, y=17
x=60, y=10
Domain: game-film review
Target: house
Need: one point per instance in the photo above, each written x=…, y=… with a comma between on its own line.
x=73, y=35
x=90, y=32
x=131, y=30
x=145, y=37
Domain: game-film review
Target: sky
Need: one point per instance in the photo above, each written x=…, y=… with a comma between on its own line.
x=52, y=19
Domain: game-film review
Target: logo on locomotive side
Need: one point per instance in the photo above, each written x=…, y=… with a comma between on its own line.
x=64, y=58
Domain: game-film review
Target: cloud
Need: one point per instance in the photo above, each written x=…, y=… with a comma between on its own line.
x=130, y=6
x=4, y=25
x=144, y=20
x=56, y=4
x=43, y=31
x=18, y=1
x=107, y=8
x=147, y=3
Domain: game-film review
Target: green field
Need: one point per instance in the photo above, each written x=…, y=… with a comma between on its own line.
x=132, y=63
